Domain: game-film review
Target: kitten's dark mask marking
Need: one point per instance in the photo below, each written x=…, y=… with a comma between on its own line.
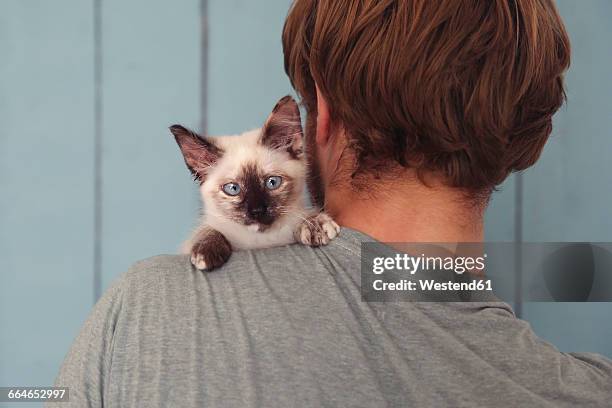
x=257, y=204
x=199, y=153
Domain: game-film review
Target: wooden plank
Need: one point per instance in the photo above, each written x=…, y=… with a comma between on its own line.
x=568, y=194
x=151, y=79
x=245, y=63
x=46, y=150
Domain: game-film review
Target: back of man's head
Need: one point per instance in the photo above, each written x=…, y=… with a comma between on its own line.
x=460, y=88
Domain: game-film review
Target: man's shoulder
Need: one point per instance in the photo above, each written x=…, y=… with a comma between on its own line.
x=158, y=264
x=147, y=277
x=148, y=271
x=165, y=283
x=265, y=258
x=171, y=263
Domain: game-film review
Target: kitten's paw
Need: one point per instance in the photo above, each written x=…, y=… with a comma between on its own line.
x=317, y=230
x=198, y=261
x=211, y=251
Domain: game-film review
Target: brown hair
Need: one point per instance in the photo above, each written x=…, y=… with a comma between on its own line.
x=464, y=88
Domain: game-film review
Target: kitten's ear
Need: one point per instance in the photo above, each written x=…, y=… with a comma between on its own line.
x=199, y=153
x=283, y=128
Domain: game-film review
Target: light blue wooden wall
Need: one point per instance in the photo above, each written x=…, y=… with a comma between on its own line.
x=245, y=63
x=151, y=52
x=46, y=175
x=59, y=111
x=568, y=193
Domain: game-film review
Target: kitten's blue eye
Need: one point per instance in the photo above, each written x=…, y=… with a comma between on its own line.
x=231, y=189
x=273, y=182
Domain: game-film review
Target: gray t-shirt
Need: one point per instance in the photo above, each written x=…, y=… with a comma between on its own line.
x=286, y=327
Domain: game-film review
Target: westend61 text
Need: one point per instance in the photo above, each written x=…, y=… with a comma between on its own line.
x=431, y=285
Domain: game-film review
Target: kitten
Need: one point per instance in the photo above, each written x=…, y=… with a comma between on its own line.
x=252, y=188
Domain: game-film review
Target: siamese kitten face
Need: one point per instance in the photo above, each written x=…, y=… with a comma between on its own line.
x=253, y=179
x=252, y=184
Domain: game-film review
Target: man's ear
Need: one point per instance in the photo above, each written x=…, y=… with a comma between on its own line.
x=199, y=153
x=283, y=128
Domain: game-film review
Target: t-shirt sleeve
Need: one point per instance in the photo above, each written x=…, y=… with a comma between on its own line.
x=86, y=367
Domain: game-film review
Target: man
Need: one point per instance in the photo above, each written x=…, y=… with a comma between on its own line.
x=416, y=110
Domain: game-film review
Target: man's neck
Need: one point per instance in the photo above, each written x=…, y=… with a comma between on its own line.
x=411, y=213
